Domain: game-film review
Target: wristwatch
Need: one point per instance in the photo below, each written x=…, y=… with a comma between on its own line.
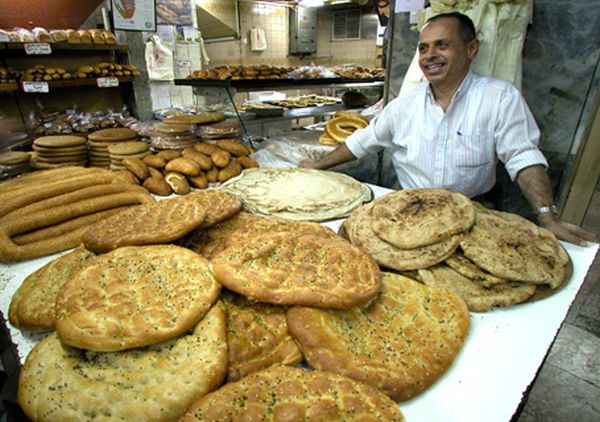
x=552, y=209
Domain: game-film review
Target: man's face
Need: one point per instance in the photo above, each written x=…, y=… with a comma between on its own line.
x=444, y=58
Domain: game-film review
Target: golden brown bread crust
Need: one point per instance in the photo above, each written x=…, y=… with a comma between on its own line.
x=401, y=342
x=286, y=393
x=160, y=222
x=133, y=297
x=32, y=305
x=218, y=205
x=292, y=269
x=257, y=336
x=339, y=128
x=157, y=383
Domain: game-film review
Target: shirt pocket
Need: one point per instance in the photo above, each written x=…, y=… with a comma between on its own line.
x=473, y=150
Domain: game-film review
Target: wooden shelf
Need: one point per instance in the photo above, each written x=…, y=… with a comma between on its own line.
x=70, y=83
x=20, y=46
x=9, y=86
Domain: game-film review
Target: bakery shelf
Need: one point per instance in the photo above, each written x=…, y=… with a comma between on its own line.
x=9, y=86
x=245, y=85
x=20, y=47
x=69, y=83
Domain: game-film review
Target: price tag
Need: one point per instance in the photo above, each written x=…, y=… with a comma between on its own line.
x=29, y=86
x=4, y=38
x=37, y=48
x=108, y=82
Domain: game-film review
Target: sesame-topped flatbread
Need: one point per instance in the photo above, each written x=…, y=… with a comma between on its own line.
x=160, y=222
x=411, y=218
x=32, y=305
x=158, y=383
x=401, y=342
x=286, y=393
x=477, y=297
x=360, y=233
x=257, y=336
x=463, y=265
x=133, y=297
x=243, y=226
x=218, y=205
x=291, y=269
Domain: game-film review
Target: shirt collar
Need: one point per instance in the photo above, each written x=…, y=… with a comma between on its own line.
x=464, y=87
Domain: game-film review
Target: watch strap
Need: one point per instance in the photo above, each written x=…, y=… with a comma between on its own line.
x=552, y=209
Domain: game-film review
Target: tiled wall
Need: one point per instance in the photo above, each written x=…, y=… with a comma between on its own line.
x=275, y=22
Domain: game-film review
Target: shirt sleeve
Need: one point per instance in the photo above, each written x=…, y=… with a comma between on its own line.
x=517, y=135
x=376, y=136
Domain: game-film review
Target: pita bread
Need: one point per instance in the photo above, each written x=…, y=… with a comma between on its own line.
x=477, y=297
x=133, y=297
x=298, y=193
x=358, y=230
x=156, y=383
x=32, y=305
x=411, y=218
x=463, y=265
x=291, y=269
x=285, y=393
x=401, y=342
x=257, y=336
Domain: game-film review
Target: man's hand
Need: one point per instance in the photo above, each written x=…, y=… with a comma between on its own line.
x=308, y=164
x=566, y=231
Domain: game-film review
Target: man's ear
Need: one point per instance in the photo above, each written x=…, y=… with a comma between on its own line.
x=473, y=49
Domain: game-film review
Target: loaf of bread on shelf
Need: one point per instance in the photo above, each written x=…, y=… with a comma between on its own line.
x=73, y=36
x=41, y=35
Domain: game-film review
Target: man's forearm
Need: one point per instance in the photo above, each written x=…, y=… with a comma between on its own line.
x=338, y=156
x=535, y=185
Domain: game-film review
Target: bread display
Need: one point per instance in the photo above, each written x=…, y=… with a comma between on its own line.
x=156, y=383
x=401, y=342
x=341, y=126
x=307, y=395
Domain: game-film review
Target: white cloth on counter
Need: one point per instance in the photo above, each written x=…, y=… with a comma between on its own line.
x=487, y=120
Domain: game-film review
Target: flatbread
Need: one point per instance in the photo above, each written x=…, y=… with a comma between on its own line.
x=401, y=343
x=113, y=134
x=156, y=383
x=411, y=218
x=477, y=297
x=160, y=222
x=200, y=118
x=513, y=248
x=134, y=297
x=242, y=227
x=59, y=141
x=358, y=230
x=298, y=193
x=32, y=305
x=218, y=206
x=291, y=269
x=463, y=265
x=257, y=336
x=285, y=393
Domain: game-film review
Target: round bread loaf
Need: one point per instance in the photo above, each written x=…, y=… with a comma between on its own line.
x=14, y=157
x=286, y=393
x=128, y=148
x=113, y=134
x=401, y=343
x=134, y=297
x=298, y=269
x=59, y=383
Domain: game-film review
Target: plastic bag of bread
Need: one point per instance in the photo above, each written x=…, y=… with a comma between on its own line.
x=58, y=35
x=41, y=35
x=311, y=72
x=25, y=34
x=73, y=36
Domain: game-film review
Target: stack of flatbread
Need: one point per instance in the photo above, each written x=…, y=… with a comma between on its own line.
x=99, y=141
x=298, y=194
x=489, y=258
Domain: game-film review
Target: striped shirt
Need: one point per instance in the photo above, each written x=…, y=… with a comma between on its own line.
x=487, y=120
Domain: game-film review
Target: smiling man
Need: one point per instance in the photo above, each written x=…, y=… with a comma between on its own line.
x=450, y=131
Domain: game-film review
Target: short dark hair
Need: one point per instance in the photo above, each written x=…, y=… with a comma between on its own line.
x=466, y=29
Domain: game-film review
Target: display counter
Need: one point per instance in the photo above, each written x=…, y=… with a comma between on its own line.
x=489, y=378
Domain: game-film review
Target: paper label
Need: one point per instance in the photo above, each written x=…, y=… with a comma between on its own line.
x=37, y=48
x=29, y=86
x=108, y=82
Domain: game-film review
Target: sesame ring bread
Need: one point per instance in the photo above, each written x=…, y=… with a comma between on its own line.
x=32, y=305
x=410, y=218
x=357, y=228
x=286, y=393
x=157, y=383
x=339, y=128
x=257, y=336
x=298, y=269
x=133, y=297
x=401, y=343
x=160, y=222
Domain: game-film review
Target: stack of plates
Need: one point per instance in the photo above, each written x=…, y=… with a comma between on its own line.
x=59, y=150
x=118, y=152
x=99, y=141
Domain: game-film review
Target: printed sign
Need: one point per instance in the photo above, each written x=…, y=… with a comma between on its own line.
x=37, y=48
x=408, y=5
x=134, y=15
x=42, y=87
x=108, y=82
